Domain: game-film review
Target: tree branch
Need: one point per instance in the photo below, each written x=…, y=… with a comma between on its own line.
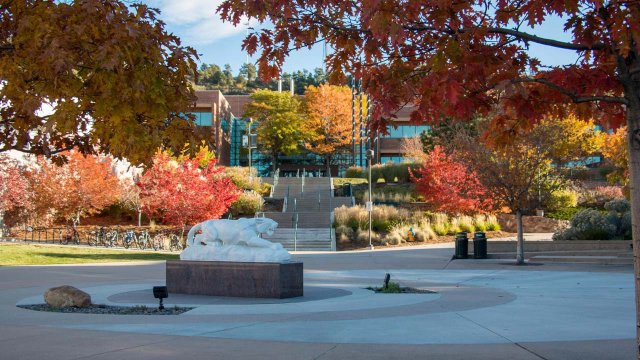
x=575, y=97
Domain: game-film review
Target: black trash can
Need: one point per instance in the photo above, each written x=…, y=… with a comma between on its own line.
x=347, y=189
x=462, y=246
x=479, y=245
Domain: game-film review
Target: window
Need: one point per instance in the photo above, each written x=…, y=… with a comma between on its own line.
x=405, y=131
x=203, y=118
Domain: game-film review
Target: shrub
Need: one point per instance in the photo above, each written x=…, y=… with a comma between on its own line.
x=492, y=223
x=562, y=199
x=344, y=234
x=363, y=236
x=240, y=176
x=248, y=203
x=465, y=223
x=563, y=213
x=597, y=197
x=447, y=185
x=354, y=172
x=618, y=206
x=588, y=224
x=424, y=231
x=480, y=222
x=398, y=234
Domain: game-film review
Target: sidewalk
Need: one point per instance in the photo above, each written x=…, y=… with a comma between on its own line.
x=483, y=309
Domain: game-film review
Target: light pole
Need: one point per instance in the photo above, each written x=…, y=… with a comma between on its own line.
x=370, y=154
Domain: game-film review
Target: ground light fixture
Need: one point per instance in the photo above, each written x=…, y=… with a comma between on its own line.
x=160, y=292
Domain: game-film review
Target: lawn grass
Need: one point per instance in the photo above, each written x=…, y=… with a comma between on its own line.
x=27, y=254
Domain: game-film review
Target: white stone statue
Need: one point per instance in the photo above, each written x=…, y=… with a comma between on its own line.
x=234, y=240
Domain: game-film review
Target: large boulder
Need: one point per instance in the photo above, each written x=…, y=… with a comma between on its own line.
x=66, y=296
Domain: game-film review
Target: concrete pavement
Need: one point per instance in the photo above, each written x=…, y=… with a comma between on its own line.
x=482, y=309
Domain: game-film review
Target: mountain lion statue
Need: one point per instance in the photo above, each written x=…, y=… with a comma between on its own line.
x=234, y=240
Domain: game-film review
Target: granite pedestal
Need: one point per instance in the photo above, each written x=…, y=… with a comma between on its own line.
x=237, y=279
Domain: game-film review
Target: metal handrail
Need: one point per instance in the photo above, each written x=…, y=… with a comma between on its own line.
x=295, y=231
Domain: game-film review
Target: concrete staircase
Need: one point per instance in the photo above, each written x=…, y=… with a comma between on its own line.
x=311, y=202
x=304, y=239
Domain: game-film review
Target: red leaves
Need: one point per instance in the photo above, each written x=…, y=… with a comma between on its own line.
x=453, y=59
x=179, y=192
x=449, y=186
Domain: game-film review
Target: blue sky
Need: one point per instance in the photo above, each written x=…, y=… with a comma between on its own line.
x=197, y=24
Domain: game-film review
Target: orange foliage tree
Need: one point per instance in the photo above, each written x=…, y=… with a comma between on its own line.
x=82, y=187
x=328, y=123
x=614, y=149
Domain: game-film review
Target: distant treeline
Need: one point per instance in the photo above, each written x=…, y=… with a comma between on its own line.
x=212, y=77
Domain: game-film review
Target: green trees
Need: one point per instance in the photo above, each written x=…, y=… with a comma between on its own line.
x=97, y=75
x=213, y=77
x=280, y=128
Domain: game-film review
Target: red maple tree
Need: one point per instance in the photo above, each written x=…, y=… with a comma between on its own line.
x=449, y=186
x=183, y=191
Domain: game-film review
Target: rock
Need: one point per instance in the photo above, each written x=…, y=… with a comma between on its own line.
x=66, y=296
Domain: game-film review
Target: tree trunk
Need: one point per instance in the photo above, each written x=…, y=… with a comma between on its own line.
x=139, y=217
x=327, y=160
x=274, y=162
x=631, y=84
x=520, y=242
x=633, y=125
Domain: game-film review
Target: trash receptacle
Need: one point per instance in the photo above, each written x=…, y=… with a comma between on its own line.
x=479, y=245
x=462, y=246
x=347, y=189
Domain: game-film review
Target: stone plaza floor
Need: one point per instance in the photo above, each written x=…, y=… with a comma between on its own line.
x=482, y=309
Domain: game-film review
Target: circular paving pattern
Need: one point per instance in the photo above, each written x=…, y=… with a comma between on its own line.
x=470, y=306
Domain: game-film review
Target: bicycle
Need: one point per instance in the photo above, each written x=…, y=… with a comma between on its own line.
x=70, y=235
x=100, y=238
x=158, y=241
x=112, y=237
x=174, y=243
x=144, y=240
x=129, y=238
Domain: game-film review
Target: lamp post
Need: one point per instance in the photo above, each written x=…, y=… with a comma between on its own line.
x=370, y=154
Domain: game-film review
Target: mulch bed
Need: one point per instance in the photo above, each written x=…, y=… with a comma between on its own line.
x=110, y=310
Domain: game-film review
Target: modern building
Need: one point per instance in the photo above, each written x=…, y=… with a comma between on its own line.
x=223, y=115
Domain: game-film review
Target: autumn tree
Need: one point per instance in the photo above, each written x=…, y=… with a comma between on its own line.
x=83, y=186
x=518, y=175
x=458, y=59
x=570, y=138
x=101, y=76
x=279, y=123
x=614, y=150
x=14, y=193
x=328, y=121
x=412, y=148
x=180, y=191
x=448, y=186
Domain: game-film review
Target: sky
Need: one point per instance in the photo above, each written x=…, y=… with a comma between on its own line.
x=197, y=24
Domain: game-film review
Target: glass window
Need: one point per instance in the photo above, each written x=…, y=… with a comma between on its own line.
x=203, y=118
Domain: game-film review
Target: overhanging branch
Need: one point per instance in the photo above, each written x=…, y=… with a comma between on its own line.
x=575, y=97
